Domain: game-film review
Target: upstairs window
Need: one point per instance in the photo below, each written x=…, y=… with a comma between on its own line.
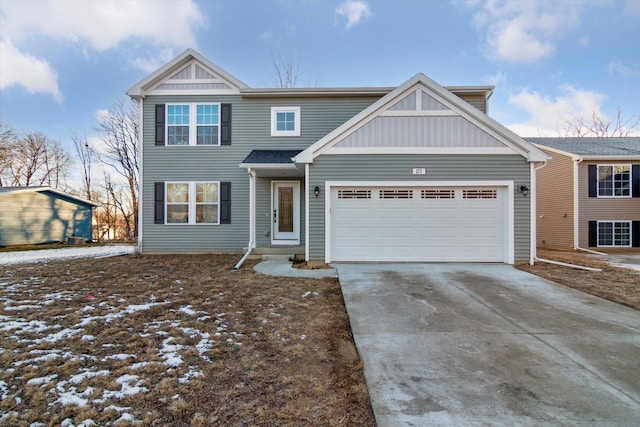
x=285, y=121
x=193, y=124
x=614, y=181
x=178, y=124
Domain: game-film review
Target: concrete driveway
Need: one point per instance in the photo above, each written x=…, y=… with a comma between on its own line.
x=464, y=344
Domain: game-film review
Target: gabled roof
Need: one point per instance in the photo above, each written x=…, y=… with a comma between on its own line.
x=4, y=191
x=140, y=88
x=464, y=109
x=593, y=147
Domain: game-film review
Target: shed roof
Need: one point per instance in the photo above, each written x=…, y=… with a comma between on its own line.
x=593, y=147
x=70, y=197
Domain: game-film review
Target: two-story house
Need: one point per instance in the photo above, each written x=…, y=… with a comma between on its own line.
x=418, y=172
x=589, y=193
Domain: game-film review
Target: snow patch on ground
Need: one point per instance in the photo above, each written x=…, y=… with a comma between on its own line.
x=45, y=255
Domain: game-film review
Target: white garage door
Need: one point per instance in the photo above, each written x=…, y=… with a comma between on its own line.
x=439, y=224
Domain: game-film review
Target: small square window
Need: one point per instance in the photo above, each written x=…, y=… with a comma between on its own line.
x=285, y=121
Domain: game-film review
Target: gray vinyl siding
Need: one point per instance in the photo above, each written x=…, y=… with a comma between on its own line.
x=251, y=130
x=399, y=168
x=599, y=208
x=555, y=202
x=33, y=218
x=478, y=101
x=419, y=132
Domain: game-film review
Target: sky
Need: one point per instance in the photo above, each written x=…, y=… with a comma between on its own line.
x=64, y=62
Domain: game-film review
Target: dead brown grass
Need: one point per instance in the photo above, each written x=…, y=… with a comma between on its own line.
x=280, y=350
x=620, y=285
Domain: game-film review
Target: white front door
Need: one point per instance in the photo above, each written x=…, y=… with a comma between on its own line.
x=285, y=218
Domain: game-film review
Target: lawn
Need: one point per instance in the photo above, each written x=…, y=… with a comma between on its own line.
x=620, y=285
x=174, y=341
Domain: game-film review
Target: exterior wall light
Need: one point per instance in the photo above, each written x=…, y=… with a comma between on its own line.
x=524, y=190
x=316, y=191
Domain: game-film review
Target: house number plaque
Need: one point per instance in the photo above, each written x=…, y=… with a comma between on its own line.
x=419, y=171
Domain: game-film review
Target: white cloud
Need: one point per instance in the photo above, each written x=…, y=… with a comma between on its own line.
x=523, y=32
x=154, y=61
x=104, y=24
x=354, y=11
x=549, y=116
x=618, y=67
x=34, y=74
x=93, y=26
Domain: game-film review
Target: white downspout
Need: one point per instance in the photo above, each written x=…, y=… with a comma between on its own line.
x=140, y=172
x=306, y=211
x=533, y=240
x=575, y=213
x=252, y=218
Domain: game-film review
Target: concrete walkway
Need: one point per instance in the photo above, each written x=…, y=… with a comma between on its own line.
x=284, y=269
x=476, y=345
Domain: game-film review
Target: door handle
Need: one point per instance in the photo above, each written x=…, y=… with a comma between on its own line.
x=275, y=216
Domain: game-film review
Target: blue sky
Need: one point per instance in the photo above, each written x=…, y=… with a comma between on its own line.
x=63, y=61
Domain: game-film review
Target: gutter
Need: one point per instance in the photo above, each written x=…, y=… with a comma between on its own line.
x=533, y=214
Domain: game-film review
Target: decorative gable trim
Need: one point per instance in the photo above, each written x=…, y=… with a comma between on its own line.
x=437, y=97
x=188, y=74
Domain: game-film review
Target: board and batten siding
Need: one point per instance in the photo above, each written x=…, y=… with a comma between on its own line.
x=34, y=217
x=555, y=198
x=473, y=168
x=599, y=208
x=250, y=130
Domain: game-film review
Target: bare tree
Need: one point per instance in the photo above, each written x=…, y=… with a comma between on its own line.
x=7, y=139
x=35, y=159
x=602, y=126
x=119, y=130
x=286, y=69
x=85, y=155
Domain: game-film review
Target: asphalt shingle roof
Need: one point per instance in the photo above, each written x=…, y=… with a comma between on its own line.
x=271, y=156
x=623, y=146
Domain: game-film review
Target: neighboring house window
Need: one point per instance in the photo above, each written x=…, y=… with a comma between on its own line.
x=192, y=203
x=285, y=121
x=193, y=124
x=614, y=180
x=614, y=233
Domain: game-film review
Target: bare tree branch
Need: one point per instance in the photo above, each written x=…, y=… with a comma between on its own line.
x=85, y=155
x=119, y=130
x=286, y=69
x=602, y=126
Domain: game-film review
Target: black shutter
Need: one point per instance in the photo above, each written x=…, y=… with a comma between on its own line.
x=635, y=180
x=593, y=233
x=160, y=124
x=225, y=124
x=159, y=203
x=635, y=234
x=225, y=203
x=593, y=181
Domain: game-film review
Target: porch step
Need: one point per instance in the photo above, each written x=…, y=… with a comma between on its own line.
x=276, y=257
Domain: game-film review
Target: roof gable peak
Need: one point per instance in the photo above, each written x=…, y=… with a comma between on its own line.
x=188, y=72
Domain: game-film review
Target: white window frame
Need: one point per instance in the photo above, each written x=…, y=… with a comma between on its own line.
x=274, y=121
x=613, y=195
x=191, y=202
x=614, y=222
x=193, y=124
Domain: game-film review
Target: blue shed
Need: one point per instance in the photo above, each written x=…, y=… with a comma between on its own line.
x=33, y=215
